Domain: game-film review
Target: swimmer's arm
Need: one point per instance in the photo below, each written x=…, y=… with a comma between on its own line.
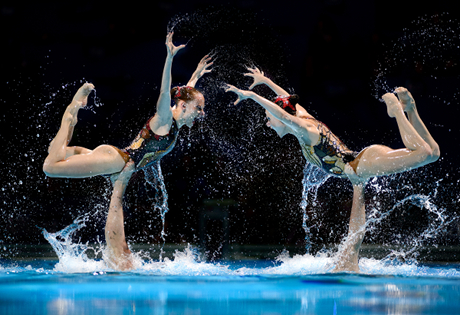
x=201, y=70
x=163, y=115
x=296, y=123
x=260, y=78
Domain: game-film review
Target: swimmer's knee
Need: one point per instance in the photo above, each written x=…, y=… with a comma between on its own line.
x=425, y=152
x=48, y=169
x=436, y=153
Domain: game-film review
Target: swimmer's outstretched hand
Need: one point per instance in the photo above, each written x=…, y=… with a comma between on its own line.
x=172, y=50
x=242, y=95
x=201, y=70
x=258, y=76
x=203, y=66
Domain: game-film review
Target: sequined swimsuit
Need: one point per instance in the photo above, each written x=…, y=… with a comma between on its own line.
x=148, y=147
x=329, y=153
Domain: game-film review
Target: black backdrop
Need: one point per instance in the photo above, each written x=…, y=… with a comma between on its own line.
x=338, y=55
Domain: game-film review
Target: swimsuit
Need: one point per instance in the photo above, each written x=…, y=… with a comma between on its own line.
x=149, y=147
x=330, y=154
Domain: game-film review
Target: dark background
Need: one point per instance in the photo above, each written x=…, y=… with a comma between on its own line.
x=340, y=56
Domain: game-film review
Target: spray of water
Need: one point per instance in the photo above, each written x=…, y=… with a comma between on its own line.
x=313, y=178
x=73, y=256
x=154, y=178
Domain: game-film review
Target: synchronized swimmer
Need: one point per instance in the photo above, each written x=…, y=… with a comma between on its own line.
x=318, y=144
x=156, y=139
x=324, y=149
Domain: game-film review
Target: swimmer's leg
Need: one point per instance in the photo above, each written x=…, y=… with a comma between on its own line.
x=379, y=160
x=347, y=257
x=118, y=256
x=408, y=104
x=78, y=162
x=58, y=146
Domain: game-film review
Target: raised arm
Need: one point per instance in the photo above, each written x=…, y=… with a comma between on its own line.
x=294, y=122
x=260, y=78
x=163, y=116
x=201, y=70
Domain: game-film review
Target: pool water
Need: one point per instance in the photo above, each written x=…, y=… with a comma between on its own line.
x=185, y=285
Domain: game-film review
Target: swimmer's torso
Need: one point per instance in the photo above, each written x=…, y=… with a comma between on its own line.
x=329, y=153
x=148, y=147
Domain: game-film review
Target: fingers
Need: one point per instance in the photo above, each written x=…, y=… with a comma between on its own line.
x=170, y=45
x=229, y=87
x=206, y=61
x=206, y=58
x=255, y=70
x=169, y=37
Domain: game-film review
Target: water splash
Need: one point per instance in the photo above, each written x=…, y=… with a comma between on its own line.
x=438, y=221
x=313, y=178
x=154, y=178
x=428, y=47
x=72, y=256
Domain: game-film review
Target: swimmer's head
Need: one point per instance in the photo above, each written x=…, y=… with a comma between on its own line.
x=185, y=93
x=287, y=102
x=191, y=101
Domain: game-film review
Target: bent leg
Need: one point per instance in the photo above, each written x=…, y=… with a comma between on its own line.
x=103, y=160
x=69, y=120
x=380, y=160
x=347, y=257
x=408, y=104
x=58, y=149
x=118, y=255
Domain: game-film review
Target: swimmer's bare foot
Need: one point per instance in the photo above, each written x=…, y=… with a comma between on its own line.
x=406, y=99
x=81, y=97
x=79, y=100
x=125, y=174
x=393, y=105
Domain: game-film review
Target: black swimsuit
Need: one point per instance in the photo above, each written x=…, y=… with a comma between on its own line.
x=329, y=153
x=149, y=147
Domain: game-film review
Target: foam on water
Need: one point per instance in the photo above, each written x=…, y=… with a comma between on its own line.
x=187, y=263
x=73, y=258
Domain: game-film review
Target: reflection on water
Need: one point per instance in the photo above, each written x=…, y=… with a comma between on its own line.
x=234, y=288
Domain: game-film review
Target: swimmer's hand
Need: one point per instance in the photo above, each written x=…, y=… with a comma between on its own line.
x=201, y=70
x=203, y=66
x=258, y=76
x=242, y=95
x=172, y=50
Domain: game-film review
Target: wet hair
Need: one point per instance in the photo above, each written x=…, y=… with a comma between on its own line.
x=287, y=102
x=184, y=93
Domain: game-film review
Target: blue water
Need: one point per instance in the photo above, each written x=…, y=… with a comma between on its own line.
x=185, y=285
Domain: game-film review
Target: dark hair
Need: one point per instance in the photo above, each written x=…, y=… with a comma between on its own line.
x=184, y=93
x=287, y=102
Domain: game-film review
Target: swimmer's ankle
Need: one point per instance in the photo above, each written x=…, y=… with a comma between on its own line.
x=81, y=97
x=406, y=99
x=394, y=107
